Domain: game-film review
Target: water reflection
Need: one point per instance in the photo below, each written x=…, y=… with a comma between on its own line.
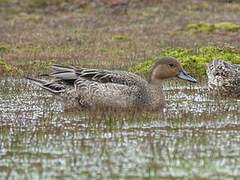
x=196, y=136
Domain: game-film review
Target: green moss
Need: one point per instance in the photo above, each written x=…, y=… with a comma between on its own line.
x=193, y=60
x=227, y=26
x=31, y=18
x=4, y=48
x=150, y=11
x=6, y=68
x=20, y=70
x=201, y=27
x=143, y=68
x=207, y=27
x=199, y=6
x=36, y=66
x=37, y=3
x=120, y=38
x=3, y=2
x=41, y=66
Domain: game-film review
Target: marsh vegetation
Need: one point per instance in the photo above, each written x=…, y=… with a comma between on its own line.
x=196, y=135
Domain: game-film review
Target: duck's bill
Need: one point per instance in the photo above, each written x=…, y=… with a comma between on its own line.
x=185, y=76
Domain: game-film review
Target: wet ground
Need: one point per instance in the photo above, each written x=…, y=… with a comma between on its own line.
x=196, y=136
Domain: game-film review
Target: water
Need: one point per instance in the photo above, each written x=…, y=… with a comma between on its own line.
x=196, y=136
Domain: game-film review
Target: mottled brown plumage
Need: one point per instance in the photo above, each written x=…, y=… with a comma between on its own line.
x=93, y=88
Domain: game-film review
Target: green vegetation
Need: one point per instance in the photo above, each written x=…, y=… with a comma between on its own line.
x=3, y=2
x=207, y=27
x=36, y=66
x=37, y=3
x=120, y=38
x=186, y=140
x=3, y=48
x=19, y=70
x=194, y=60
x=33, y=3
x=93, y=34
x=6, y=68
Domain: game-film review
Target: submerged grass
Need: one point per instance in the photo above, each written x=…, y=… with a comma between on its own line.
x=39, y=140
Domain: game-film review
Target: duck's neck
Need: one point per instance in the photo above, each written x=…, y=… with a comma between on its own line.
x=156, y=94
x=156, y=83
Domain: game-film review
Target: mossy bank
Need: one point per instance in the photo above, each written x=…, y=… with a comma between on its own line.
x=213, y=27
x=194, y=60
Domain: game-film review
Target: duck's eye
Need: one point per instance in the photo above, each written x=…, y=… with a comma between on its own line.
x=171, y=65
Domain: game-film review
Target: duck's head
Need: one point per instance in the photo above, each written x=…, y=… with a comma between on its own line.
x=168, y=67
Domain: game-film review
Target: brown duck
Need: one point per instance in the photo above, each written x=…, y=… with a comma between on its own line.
x=92, y=88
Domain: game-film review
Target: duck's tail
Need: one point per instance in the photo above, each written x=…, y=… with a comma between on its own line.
x=54, y=87
x=67, y=74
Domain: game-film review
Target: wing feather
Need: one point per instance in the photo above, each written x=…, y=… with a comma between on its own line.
x=70, y=74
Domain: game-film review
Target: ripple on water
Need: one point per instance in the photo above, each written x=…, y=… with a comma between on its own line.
x=195, y=136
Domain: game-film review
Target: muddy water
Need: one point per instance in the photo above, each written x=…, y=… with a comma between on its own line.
x=195, y=136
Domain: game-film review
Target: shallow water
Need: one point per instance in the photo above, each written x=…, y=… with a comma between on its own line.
x=195, y=136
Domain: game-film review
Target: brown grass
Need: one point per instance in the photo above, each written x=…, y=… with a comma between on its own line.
x=107, y=36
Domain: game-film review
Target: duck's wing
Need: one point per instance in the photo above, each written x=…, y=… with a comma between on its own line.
x=87, y=93
x=92, y=93
x=70, y=74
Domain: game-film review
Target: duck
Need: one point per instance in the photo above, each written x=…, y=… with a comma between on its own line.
x=224, y=79
x=115, y=89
